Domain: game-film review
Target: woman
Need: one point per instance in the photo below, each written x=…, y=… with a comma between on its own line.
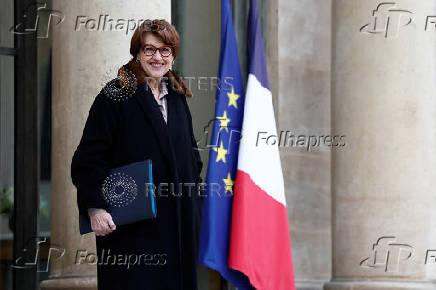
x=143, y=114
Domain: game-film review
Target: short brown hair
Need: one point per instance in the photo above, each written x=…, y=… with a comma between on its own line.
x=159, y=28
x=169, y=35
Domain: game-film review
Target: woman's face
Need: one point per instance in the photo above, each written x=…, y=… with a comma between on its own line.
x=156, y=66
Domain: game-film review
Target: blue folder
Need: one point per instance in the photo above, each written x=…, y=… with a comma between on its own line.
x=129, y=193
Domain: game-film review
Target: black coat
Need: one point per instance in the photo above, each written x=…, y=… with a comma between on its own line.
x=117, y=133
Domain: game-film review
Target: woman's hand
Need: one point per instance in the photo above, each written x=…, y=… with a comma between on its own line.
x=101, y=221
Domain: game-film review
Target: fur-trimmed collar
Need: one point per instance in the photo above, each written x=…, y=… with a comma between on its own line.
x=129, y=70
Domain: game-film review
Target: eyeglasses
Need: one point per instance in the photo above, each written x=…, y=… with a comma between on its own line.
x=150, y=50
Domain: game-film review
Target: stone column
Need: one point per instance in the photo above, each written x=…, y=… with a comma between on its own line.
x=85, y=55
x=383, y=179
x=298, y=53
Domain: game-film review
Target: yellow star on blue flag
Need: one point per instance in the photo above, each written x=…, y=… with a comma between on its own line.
x=223, y=158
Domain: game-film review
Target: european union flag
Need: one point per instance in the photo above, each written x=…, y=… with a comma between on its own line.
x=223, y=157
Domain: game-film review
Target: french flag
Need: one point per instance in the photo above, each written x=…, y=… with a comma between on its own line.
x=260, y=245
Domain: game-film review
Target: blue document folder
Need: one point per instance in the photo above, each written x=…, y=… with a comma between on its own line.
x=129, y=193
